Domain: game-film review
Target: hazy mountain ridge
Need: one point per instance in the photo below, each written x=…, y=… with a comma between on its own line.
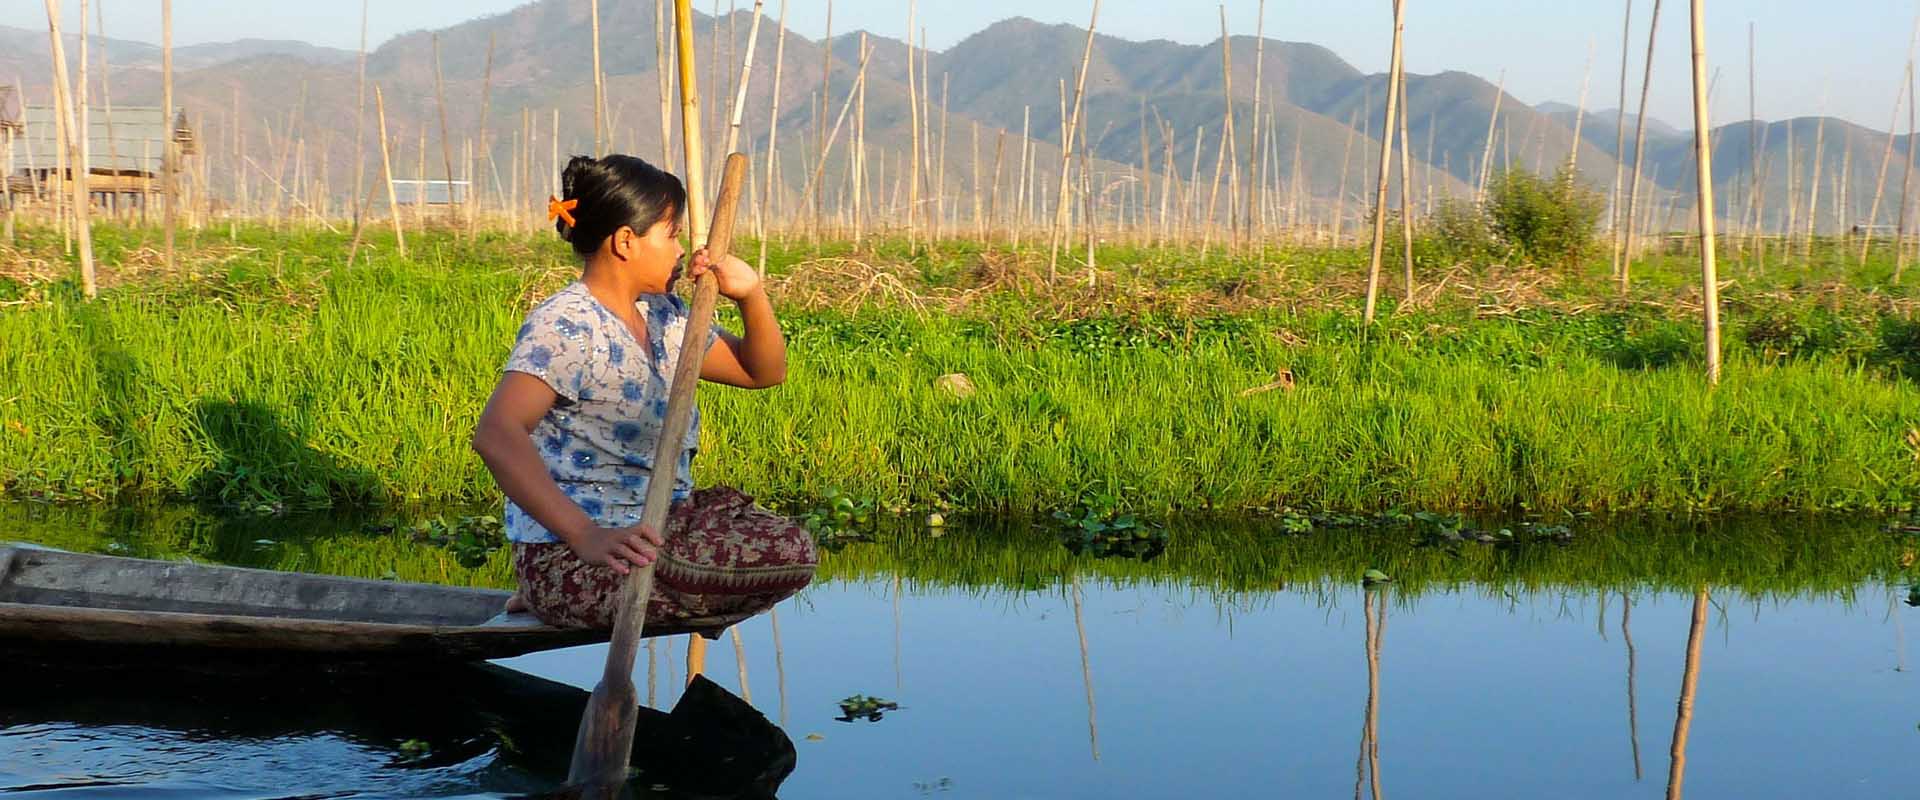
x=998, y=77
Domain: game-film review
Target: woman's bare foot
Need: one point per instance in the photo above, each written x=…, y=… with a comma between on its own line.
x=517, y=604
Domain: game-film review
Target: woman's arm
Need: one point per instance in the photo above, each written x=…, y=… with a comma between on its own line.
x=504, y=440
x=757, y=358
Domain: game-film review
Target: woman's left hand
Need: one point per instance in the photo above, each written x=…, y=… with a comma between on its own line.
x=736, y=280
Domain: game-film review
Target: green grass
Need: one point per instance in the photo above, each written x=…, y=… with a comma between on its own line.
x=263, y=374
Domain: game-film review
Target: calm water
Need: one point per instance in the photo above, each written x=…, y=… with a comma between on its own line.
x=1023, y=672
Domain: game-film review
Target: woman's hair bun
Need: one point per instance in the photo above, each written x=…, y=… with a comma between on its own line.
x=614, y=191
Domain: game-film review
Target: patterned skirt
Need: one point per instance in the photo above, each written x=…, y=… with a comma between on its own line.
x=725, y=559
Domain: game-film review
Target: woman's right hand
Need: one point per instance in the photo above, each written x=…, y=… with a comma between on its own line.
x=620, y=549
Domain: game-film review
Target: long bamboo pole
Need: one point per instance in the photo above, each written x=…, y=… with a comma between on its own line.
x=913, y=132
x=1406, y=190
x=1906, y=183
x=1493, y=124
x=446, y=146
x=1232, y=139
x=106, y=99
x=1395, y=65
x=1066, y=148
x=1753, y=142
x=746, y=72
x=1021, y=181
x=168, y=148
x=6, y=188
x=819, y=168
x=1813, y=185
x=1579, y=116
x=486, y=105
x=940, y=165
x=386, y=172
x=1617, y=210
x=978, y=218
x=1206, y=220
x=1639, y=149
x=1886, y=158
x=1793, y=187
x=1703, y=158
x=773, y=137
x=77, y=179
x=360, y=123
x=1340, y=200
x=820, y=119
x=599, y=84
x=1257, y=189
x=660, y=56
x=85, y=137
x=857, y=162
x=605, y=740
x=1167, y=180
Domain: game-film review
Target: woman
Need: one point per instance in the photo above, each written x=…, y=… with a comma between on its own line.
x=571, y=430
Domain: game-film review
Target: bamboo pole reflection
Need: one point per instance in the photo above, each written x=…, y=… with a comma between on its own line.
x=1366, y=768
x=1899, y=633
x=651, y=685
x=1689, y=680
x=1086, y=671
x=897, y=679
x=1633, y=710
x=1600, y=619
x=779, y=663
x=740, y=662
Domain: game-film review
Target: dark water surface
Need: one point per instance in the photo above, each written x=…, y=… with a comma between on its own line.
x=1240, y=663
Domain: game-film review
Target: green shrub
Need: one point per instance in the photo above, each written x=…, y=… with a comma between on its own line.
x=1899, y=348
x=1542, y=220
x=1458, y=232
x=1790, y=332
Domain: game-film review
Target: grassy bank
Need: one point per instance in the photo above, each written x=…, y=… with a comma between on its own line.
x=263, y=373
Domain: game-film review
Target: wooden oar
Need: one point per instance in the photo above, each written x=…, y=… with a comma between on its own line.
x=605, y=740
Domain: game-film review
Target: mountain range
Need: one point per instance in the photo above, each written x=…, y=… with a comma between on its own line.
x=1322, y=112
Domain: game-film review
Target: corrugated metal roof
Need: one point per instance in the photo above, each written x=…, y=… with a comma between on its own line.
x=136, y=145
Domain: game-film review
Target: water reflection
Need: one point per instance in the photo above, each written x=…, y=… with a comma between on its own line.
x=1689, y=682
x=1222, y=666
x=1633, y=708
x=1086, y=672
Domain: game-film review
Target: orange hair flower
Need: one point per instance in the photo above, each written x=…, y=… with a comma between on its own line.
x=561, y=209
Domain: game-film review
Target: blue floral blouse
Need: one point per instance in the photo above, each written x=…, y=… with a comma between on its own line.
x=598, y=440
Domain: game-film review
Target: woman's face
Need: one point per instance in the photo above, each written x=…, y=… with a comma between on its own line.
x=654, y=255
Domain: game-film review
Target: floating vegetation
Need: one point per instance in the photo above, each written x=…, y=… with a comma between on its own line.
x=1098, y=527
x=860, y=706
x=1430, y=528
x=839, y=519
x=471, y=539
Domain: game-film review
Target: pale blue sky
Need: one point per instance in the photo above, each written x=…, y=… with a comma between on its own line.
x=1848, y=52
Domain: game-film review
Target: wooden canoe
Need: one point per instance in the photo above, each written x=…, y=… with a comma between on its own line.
x=56, y=599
